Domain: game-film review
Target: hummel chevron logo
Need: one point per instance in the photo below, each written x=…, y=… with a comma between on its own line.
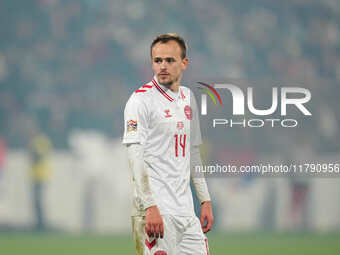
x=167, y=115
x=150, y=245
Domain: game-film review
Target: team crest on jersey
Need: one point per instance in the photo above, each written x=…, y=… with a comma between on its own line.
x=160, y=253
x=188, y=112
x=131, y=125
x=180, y=125
x=167, y=114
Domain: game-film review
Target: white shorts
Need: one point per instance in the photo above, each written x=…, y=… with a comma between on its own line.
x=182, y=235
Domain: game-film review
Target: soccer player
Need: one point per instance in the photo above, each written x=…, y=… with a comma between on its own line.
x=162, y=135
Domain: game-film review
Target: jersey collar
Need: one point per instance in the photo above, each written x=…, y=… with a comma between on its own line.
x=167, y=93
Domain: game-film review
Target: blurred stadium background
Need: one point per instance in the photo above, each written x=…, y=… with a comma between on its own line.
x=67, y=68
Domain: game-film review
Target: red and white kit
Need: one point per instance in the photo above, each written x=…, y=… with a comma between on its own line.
x=166, y=125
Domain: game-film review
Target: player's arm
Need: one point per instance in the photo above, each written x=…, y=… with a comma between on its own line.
x=140, y=175
x=198, y=180
x=136, y=126
x=201, y=188
x=154, y=223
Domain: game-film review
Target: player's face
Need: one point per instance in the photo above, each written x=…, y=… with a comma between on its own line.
x=167, y=62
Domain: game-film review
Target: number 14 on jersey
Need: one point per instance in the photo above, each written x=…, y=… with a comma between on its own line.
x=180, y=143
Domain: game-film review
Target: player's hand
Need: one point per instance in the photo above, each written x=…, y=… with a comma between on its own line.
x=154, y=223
x=207, y=218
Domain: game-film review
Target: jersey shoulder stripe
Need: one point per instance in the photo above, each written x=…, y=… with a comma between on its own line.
x=147, y=86
x=140, y=90
x=144, y=88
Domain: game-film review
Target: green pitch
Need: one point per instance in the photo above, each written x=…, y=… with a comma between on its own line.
x=220, y=244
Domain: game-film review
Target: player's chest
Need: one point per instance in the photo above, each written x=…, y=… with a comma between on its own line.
x=172, y=116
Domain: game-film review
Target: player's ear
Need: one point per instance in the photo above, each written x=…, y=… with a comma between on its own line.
x=185, y=62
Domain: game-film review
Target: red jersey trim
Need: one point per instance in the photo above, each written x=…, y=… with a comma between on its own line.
x=162, y=91
x=147, y=86
x=206, y=246
x=140, y=90
x=143, y=90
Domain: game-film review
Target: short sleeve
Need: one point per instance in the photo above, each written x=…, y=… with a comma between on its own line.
x=196, y=138
x=135, y=121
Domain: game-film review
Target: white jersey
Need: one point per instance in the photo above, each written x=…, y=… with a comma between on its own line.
x=167, y=125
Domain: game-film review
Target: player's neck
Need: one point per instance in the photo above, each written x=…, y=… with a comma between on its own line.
x=174, y=87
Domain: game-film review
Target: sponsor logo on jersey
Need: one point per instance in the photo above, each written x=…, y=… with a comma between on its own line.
x=188, y=112
x=167, y=115
x=180, y=125
x=132, y=125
